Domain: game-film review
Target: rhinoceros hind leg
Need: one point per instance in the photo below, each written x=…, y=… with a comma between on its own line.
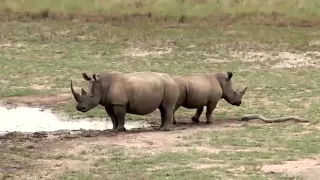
x=166, y=119
x=120, y=113
x=174, y=119
x=197, y=115
x=162, y=117
x=210, y=107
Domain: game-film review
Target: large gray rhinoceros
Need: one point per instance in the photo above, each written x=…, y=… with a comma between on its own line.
x=137, y=93
x=197, y=91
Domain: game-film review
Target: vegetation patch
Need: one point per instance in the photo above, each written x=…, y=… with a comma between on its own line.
x=270, y=46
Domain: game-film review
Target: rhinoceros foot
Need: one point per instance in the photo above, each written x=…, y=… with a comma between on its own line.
x=195, y=120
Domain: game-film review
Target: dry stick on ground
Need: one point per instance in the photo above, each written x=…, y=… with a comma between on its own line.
x=249, y=117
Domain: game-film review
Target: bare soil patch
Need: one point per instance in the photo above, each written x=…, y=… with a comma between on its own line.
x=50, y=168
x=60, y=148
x=307, y=168
x=289, y=60
x=40, y=87
x=38, y=100
x=279, y=60
x=138, y=52
x=143, y=136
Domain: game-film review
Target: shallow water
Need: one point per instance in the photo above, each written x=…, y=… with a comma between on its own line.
x=26, y=119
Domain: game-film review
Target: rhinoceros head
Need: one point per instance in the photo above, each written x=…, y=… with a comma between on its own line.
x=88, y=100
x=232, y=96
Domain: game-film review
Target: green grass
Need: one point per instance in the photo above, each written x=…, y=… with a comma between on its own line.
x=190, y=8
x=119, y=163
x=165, y=165
x=60, y=51
x=281, y=138
x=42, y=57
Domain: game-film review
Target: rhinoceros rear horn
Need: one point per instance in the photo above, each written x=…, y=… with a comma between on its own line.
x=230, y=74
x=86, y=77
x=75, y=94
x=95, y=77
x=83, y=92
x=243, y=91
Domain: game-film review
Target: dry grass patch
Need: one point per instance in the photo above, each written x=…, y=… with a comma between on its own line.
x=273, y=12
x=138, y=52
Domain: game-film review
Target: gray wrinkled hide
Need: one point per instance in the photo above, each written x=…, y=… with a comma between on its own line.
x=197, y=91
x=137, y=93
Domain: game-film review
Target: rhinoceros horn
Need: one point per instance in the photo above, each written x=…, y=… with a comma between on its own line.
x=75, y=94
x=243, y=91
x=83, y=92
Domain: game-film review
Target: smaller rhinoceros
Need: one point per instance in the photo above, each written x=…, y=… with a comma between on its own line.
x=197, y=91
x=137, y=93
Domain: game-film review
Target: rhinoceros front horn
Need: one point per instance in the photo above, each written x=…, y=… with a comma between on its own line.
x=243, y=91
x=75, y=94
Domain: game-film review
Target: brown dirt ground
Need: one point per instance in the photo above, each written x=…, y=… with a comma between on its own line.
x=82, y=143
x=138, y=142
x=308, y=168
x=36, y=100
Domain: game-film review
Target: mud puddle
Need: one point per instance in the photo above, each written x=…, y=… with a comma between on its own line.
x=32, y=120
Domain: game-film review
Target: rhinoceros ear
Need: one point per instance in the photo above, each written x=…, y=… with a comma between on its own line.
x=230, y=74
x=86, y=77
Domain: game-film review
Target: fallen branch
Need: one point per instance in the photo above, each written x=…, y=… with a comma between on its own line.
x=249, y=117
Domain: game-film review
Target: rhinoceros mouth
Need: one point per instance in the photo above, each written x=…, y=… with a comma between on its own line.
x=82, y=109
x=237, y=104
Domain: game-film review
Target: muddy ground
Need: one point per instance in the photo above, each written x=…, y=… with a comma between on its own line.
x=140, y=141
x=51, y=101
x=144, y=140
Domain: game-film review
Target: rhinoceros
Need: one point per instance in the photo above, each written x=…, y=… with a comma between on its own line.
x=197, y=91
x=137, y=93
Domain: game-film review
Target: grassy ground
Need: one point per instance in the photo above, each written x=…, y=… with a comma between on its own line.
x=278, y=64
x=199, y=8
x=302, y=13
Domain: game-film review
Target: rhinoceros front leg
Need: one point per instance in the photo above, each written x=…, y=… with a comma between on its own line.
x=210, y=108
x=120, y=113
x=113, y=118
x=197, y=115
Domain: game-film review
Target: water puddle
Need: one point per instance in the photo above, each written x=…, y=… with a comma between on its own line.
x=30, y=120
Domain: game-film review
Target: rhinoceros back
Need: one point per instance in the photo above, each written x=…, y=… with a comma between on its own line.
x=145, y=91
